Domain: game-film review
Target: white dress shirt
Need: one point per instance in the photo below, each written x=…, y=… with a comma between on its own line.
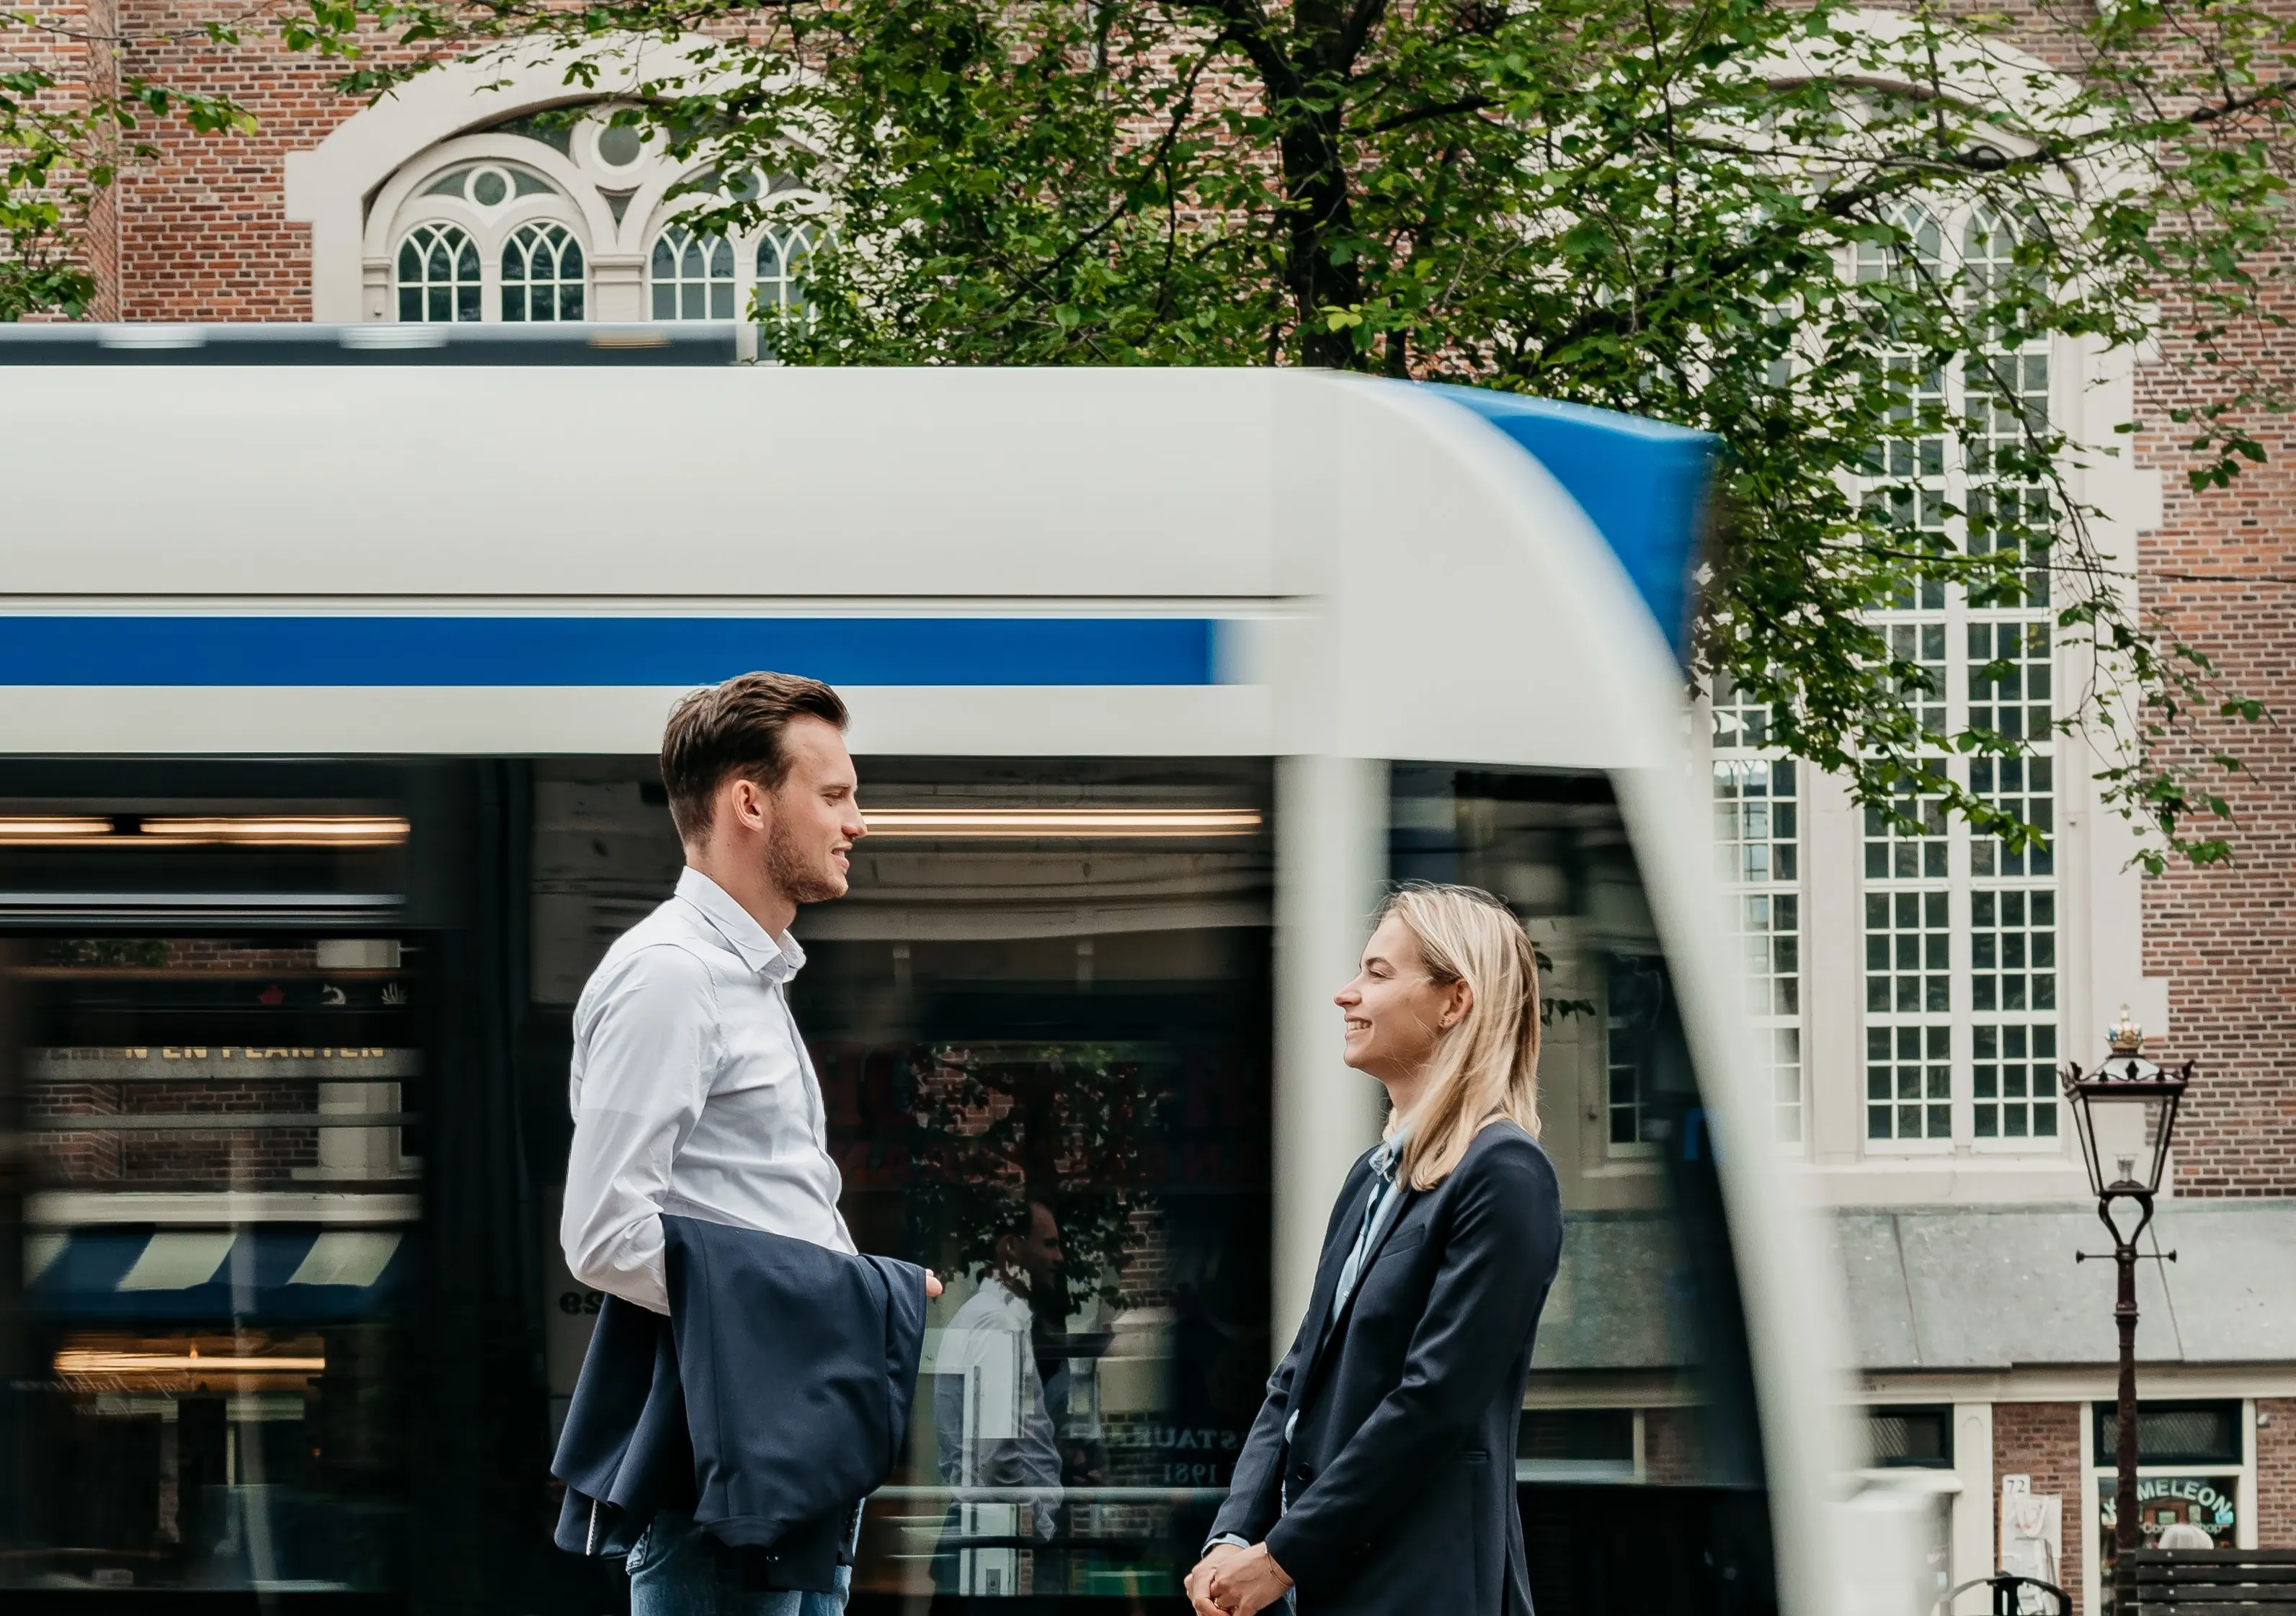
x=692, y=1094
x=989, y=1416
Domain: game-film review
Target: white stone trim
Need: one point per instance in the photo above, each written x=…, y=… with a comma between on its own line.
x=328, y=186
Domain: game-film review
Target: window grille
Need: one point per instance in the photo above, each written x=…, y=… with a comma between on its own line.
x=541, y=276
x=1758, y=824
x=692, y=275
x=782, y=255
x=438, y=275
x=1961, y=984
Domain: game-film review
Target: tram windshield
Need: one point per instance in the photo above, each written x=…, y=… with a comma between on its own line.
x=1640, y=1460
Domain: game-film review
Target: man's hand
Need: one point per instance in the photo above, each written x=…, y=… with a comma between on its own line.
x=932, y=1284
x=1198, y=1586
x=1249, y=1582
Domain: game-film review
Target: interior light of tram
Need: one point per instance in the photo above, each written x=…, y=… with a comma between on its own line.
x=83, y=1361
x=280, y=830
x=238, y=830
x=53, y=830
x=1095, y=823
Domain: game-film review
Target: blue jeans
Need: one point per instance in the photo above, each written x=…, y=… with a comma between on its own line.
x=678, y=1570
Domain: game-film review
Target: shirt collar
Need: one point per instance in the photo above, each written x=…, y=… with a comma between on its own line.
x=1388, y=1153
x=1008, y=1300
x=774, y=961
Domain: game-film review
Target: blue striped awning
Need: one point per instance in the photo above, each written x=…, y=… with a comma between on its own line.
x=273, y=1274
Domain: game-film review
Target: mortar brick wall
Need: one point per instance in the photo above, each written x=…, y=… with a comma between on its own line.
x=2217, y=574
x=2275, y=1473
x=2043, y=1441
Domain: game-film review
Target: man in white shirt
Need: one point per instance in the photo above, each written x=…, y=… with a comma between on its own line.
x=993, y=1424
x=692, y=1090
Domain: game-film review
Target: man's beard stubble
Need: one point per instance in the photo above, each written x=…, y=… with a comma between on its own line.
x=796, y=880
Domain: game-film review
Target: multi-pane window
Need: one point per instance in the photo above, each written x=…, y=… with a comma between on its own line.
x=1634, y=995
x=1908, y=954
x=1626, y=1093
x=1754, y=820
x=691, y=276
x=2014, y=1082
x=1740, y=721
x=1922, y=645
x=1909, y=1082
x=438, y=275
x=2010, y=682
x=2024, y=786
x=781, y=271
x=1961, y=989
x=1997, y=516
x=1909, y=841
x=1757, y=829
x=1909, y=964
x=542, y=273
x=2012, y=951
x=1906, y=477
x=504, y=224
x=2013, y=999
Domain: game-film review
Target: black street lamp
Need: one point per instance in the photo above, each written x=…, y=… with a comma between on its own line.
x=2125, y=1112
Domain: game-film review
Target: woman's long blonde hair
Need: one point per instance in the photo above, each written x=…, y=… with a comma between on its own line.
x=1487, y=1066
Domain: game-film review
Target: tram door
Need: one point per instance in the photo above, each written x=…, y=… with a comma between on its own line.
x=1640, y=1467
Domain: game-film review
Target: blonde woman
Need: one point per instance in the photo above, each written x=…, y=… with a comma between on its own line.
x=1379, y=1477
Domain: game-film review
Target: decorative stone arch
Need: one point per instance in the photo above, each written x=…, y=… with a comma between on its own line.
x=1994, y=73
x=406, y=199
x=360, y=188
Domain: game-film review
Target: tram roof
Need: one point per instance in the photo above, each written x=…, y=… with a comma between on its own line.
x=1295, y=560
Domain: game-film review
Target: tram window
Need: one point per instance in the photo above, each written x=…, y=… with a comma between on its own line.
x=221, y=1256
x=1046, y=1056
x=1640, y=1456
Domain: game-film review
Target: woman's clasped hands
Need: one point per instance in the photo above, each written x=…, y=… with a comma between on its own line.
x=1232, y=1581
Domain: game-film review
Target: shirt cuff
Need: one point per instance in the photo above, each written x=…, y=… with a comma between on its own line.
x=1212, y=1543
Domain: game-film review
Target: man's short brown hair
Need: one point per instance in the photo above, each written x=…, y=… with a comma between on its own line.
x=736, y=730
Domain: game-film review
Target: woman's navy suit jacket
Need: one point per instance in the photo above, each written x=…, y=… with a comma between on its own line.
x=1401, y=1473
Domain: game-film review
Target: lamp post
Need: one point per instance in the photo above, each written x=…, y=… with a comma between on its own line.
x=2125, y=1114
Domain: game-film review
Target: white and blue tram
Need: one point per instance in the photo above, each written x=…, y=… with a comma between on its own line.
x=334, y=666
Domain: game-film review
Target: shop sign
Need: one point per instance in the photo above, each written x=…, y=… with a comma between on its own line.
x=2208, y=1502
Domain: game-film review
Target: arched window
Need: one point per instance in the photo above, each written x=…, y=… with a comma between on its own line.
x=692, y=276
x=1918, y=251
x=781, y=270
x=542, y=273
x=577, y=219
x=438, y=275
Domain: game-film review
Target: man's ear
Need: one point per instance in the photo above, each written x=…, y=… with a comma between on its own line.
x=746, y=802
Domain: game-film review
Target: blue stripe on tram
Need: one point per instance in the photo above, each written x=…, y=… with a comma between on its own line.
x=496, y=651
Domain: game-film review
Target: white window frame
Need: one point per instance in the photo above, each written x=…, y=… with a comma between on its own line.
x=1767, y=1020
x=1959, y=883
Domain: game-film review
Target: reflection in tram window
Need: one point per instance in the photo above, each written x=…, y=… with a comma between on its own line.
x=995, y=1429
x=1639, y=1456
x=220, y=1258
x=1040, y=1020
